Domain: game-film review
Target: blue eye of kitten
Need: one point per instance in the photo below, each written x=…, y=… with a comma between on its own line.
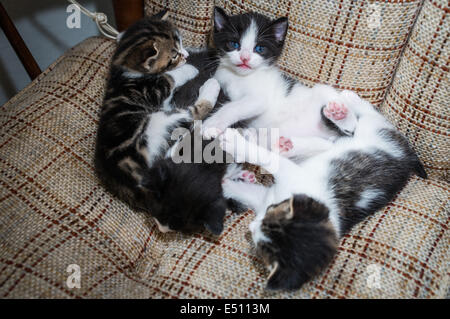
x=259, y=49
x=234, y=44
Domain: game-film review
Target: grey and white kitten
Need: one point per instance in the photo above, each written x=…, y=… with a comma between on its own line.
x=300, y=218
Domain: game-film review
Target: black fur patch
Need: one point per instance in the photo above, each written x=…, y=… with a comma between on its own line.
x=187, y=197
x=206, y=61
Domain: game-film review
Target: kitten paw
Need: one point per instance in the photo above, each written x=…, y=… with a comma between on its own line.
x=351, y=96
x=189, y=72
x=209, y=91
x=341, y=116
x=213, y=127
x=335, y=111
x=211, y=133
x=183, y=74
x=248, y=177
x=243, y=176
x=233, y=143
x=284, y=144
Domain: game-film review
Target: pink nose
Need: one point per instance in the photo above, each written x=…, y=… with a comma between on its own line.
x=245, y=59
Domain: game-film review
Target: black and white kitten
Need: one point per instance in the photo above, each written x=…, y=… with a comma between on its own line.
x=135, y=127
x=300, y=218
x=260, y=94
x=249, y=45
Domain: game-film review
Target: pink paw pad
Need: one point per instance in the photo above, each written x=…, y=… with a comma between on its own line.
x=335, y=111
x=248, y=177
x=284, y=144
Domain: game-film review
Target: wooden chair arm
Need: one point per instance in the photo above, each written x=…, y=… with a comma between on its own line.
x=19, y=46
x=127, y=12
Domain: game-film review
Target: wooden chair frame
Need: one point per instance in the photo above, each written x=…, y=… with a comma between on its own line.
x=19, y=46
x=126, y=13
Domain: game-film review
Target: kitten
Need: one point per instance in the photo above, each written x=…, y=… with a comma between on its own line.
x=248, y=45
x=311, y=205
x=137, y=119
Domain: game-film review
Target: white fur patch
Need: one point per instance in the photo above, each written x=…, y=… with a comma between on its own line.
x=209, y=91
x=157, y=132
x=257, y=234
x=132, y=75
x=183, y=74
x=367, y=197
x=248, y=39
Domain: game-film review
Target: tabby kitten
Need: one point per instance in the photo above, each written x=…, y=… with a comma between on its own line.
x=137, y=119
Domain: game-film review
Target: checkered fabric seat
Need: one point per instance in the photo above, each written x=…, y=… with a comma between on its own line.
x=54, y=212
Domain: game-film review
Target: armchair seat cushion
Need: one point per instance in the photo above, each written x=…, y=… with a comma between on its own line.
x=54, y=213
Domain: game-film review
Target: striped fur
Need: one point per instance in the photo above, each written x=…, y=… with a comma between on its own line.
x=136, y=118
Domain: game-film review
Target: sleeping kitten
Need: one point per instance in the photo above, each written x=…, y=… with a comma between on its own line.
x=311, y=205
x=137, y=120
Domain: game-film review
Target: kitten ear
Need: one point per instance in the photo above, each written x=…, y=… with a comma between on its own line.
x=220, y=19
x=152, y=54
x=279, y=28
x=306, y=208
x=162, y=15
x=153, y=51
x=214, y=218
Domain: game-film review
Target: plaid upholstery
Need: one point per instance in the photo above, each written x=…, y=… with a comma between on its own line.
x=54, y=212
x=331, y=42
x=418, y=100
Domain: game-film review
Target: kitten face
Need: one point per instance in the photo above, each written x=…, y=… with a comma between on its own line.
x=186, y=197
x=248, y=41
x=302, y=241
x=150, y=46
